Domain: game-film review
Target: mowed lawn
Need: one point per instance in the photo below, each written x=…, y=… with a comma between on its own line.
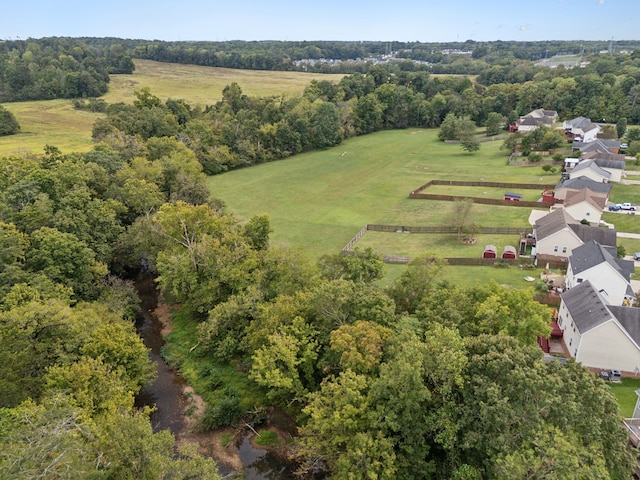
x=57, y=123
x=318, y=201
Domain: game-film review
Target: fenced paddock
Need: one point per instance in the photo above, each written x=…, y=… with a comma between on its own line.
x=420, y=192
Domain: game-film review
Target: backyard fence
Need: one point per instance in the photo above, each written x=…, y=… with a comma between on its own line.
x=417, y=193
x=347, y=250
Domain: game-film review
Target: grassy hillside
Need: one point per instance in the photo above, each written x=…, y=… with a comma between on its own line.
x=55, y=122
x=203, y=85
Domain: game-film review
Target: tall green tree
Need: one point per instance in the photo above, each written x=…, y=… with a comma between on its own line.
x=8, y=123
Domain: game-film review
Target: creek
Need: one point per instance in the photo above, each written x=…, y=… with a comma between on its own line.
x=166, y=393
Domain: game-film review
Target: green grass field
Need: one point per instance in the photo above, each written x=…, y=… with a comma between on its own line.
x=318, y=201
x=57, y=123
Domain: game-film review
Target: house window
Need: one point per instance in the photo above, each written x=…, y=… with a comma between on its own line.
x=560, y=321
x=555, y=248
x=575, y=352
x=579, y=280
x=574, y=329
x=570, y=341
x=564, y=249
x=588, y=213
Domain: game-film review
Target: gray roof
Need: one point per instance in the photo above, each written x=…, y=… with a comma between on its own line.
x=529, y=120
x=604, y=236
x=597, y=155
x=586, y=307
x=578, y=122
x=629, y=318
x=598, y=145
x=585, y=182
x=552, y=223
x=590, y=165
x=593, y=253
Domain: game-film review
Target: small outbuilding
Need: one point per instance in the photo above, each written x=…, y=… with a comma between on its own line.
x=513, y=197
x=509, y=252
x=490, y=251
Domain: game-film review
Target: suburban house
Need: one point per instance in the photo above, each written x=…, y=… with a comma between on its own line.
x=558, y=233
x=596, y=334
x=575, y=184
x=608, y=274
x=585, y=205
x=534, y=119
x=611, y=162
x=590, y=169
x=582, y=129
x=599, y=145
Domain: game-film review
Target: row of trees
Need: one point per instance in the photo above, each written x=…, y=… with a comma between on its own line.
x=71, y=362
x=47, y=68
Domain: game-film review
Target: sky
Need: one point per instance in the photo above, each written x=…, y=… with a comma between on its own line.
x=398, y=20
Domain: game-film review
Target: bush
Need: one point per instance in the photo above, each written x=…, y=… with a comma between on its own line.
x=226, y=411
x=535, y=157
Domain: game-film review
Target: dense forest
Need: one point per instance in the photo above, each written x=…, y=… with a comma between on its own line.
x=418, y=380
x=42, y=69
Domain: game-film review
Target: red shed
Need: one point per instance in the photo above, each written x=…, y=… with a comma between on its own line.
x=513, y=197
x=509, y=252
x=490, y=251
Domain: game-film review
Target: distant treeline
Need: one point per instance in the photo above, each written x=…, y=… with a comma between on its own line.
x=468, y=57
x=47, y=68
x=240, y=131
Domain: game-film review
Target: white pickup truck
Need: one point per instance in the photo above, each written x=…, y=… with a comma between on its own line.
x=626, y=206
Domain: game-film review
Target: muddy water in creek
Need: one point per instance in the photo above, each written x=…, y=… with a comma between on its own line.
x=166, y=393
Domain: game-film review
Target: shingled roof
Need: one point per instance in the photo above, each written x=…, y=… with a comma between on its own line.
x=586, y=307
x=604, y=236
x=629, y=318
x=591, y=165
x=597, y=200
x=593, y=253
x=585, y=182
x=552, y=223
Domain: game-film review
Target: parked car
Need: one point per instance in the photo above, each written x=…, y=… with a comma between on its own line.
x=624, y=145
x=636, y=256
x=614, y=208
x=627, y=206
x=611, y=375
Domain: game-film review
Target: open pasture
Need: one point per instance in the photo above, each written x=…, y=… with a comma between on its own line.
x=57, y=123
x=319, y=200
x=203, y=85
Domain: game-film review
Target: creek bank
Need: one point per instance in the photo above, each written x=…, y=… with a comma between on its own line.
x=178, y=406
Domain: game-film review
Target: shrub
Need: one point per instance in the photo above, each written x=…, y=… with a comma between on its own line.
x=535, y=157
x=226, y=411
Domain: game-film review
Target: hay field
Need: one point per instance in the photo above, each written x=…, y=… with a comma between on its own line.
x=57, y=123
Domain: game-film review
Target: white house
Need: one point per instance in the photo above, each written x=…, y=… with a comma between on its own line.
x=558, y=233
x=603, y=145
x=582, y=129
x=585, y=205
x=608, y=274
x=589, y=169
x=598, y=335
x=535, y=118
x=609, y=162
